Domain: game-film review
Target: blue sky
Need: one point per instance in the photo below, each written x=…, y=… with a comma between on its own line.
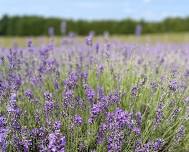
x=97, y=9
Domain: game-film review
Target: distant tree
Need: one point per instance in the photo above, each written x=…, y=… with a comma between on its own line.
x=36, y=26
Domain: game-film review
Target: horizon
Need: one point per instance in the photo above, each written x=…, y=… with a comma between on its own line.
x=150, y=10
x=91, y=20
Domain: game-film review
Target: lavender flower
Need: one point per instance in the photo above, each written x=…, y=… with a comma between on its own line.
x=138, y=30
x=95, y=111
x=100, y=93
x=173, y=85
x=85, y=76
x=27, y=144
x=136, y=130
x=16, y=125
x=114, y=97
x=49, y=105
x=175, y=114
x=78, y=120
x=48, y=96
x=12, y=107
x=159, y=115
x=57, y=125
x=68, y=97
x=134, y=91
x=180, y=134
x=101, y=133
x=139, y=147
x=139, y=119
x=29, y=43
x=3, y=133
x=29, y=94
x=90, y=94
x=100, y=70
x=56, y=85
x=115, y=141
x=89, y=41
x=114, y=127
x=97, y=46
x=71, y=81
x=158, y=144
x=57, y=142
x=56, y=120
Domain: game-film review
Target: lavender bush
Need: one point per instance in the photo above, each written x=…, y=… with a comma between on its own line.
x=94, y=96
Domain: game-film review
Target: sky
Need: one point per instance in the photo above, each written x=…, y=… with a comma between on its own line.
x=153, y=10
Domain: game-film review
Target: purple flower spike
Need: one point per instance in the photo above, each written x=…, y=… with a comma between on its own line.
x=78, y=120
x=57, y=142
x=180, y=134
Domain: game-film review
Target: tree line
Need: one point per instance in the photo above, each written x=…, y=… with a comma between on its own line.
x=36, y=26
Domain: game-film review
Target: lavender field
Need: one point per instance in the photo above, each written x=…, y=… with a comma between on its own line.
x=94, y=94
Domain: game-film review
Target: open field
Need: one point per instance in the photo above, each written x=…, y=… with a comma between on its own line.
x=118, y=94
x=148, y=38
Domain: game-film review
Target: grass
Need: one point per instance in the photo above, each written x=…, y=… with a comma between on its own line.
x=148, y=38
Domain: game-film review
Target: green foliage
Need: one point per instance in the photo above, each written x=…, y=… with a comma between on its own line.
x=35, y=26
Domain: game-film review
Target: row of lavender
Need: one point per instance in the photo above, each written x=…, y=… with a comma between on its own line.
x=89, y=96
